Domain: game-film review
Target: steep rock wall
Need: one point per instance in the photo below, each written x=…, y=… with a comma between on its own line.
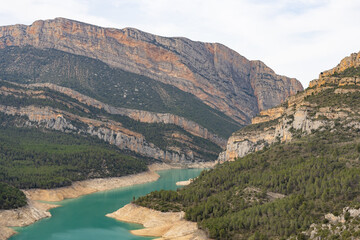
x=217, y=75
x=108, y=131
x=351, y=61
x=281, y=124
x=139, y=115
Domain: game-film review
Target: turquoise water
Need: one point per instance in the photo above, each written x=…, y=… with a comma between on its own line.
x=84, y=217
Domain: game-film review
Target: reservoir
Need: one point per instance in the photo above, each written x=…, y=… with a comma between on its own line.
x=84, y=217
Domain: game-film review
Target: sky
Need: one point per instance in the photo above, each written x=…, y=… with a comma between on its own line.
x=296, y=38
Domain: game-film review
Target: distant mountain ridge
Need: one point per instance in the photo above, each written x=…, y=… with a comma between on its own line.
x=217, y=75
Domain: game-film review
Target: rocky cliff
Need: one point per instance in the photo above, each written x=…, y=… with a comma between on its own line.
x=328, y=103
x=351, y=61
x=34, y=106
x=220, y=77
x=138, y=115
x=108, y=131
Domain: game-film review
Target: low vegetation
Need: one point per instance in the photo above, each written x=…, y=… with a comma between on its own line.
x=349, y=72
x=328, y=98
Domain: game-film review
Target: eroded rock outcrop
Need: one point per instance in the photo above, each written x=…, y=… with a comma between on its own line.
x=301, y=114
x=139, y=115
x=108, y=131
x=351, y=61
x=219, y=76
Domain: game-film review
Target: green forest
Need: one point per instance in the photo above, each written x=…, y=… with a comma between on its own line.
x=35, y=158
x=317, y=174
x=11, y=197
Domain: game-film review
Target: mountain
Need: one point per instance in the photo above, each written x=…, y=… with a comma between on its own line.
x=292, y=174
x=215, y=74
x=79, y=101
x=327, y=100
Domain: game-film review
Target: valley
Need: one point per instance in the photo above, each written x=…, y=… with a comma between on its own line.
x=85, y=110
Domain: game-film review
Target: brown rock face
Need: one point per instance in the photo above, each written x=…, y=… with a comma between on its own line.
x=351, y=61
x=217, y=75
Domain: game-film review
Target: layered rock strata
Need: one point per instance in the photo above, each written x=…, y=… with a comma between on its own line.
x=139, y=115
x=298, y=116
x=219, y=76
x=351, y=61
x=109, y=131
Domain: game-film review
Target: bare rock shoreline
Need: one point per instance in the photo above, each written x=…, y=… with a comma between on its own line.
x=168, y=225
x=34, y=211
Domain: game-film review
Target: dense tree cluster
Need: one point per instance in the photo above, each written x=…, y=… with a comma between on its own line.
x=11, y=197
x=317, y=174
x=30, y=158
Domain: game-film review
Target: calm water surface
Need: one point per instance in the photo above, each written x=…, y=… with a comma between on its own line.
x=84, y=217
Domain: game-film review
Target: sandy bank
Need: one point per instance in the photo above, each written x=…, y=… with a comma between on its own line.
x=170, y=226
x=23, y=216
x=81, y=188
x=35, y=210
x=184, y=183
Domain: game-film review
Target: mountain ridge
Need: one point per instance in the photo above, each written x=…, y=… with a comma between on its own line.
x=298, y=114
x=220, y=77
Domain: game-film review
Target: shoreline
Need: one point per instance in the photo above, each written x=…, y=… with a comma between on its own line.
x=165, y=225
x=35, y=211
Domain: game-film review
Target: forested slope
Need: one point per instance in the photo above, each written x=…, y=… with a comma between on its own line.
x=298, y=177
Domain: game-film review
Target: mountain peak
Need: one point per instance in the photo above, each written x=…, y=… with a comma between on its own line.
x=216, y=74
x=350, y=61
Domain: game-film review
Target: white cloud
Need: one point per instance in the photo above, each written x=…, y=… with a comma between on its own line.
x=297, y=38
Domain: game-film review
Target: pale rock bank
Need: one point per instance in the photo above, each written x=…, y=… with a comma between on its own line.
x=184, y=183
x=81, y=188
x=35, y=210
x=168, y=225
x=23, y=216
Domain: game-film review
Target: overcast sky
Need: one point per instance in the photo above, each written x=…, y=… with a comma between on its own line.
x=296, y=38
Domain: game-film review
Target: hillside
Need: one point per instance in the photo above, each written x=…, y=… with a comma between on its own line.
x=218, y=76
x=112, y=86
x=65, y=110
x=294, y=173
x=102, y=102
x=328, y=102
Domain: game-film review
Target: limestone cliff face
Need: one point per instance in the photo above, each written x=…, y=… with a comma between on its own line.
x=139, y=115
x=280, y=129
x=217, y=75
x=300, y=115
x=344, y=81
x=109, y=131
x=351, y=61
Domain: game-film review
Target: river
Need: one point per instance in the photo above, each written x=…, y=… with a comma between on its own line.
x=84, y=217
